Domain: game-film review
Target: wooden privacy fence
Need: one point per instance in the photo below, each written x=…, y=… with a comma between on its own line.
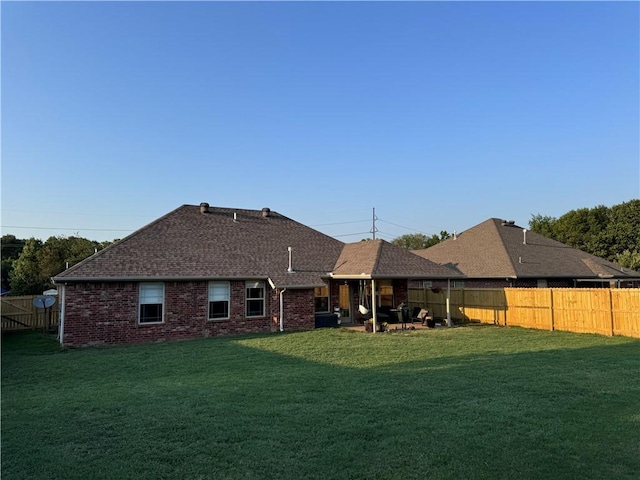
x=19, y=313
x=583, y=310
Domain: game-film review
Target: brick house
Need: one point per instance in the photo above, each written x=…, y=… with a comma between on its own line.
x=200, y=271
x=498, y=253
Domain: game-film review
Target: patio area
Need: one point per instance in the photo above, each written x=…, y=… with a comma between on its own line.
x=395, y=327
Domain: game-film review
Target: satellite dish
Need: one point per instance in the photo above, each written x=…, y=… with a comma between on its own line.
x=44, y=302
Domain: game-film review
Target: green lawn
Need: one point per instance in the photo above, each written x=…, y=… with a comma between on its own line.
x=463, y=403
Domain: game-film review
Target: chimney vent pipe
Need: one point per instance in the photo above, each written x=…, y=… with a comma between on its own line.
x=290, y=269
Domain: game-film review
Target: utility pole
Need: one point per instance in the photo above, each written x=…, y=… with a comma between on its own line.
x=374, y=218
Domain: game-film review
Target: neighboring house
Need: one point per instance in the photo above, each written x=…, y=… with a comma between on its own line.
x=200, y=271
x=498, y=253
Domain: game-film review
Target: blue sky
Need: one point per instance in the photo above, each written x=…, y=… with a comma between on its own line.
x=438, y=115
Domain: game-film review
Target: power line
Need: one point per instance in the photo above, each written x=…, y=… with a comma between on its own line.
x=386, y=234
x=402, y=226
x=351, y=234
x=73, y=229
x=337, y=223
x=77, y=213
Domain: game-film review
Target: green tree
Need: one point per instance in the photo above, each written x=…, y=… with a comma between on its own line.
x=629, y=259
x=26, y=278
x=544, y=225
x=58, y=252
x=611, y=233
x=11, y=248
x=419, y=241
x=38, y=262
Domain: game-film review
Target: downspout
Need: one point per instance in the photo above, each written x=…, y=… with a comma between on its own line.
x=449, y=323
x=373, y=303
x=282, y=309
x=61, y=299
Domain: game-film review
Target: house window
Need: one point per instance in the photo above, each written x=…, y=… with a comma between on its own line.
x=255, y=299
x=457, y=283
x=385, y=293
x=321, y=299
x=218, y=300
x=151, y=303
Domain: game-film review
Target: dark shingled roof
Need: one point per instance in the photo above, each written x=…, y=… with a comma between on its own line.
x=380, y=259
x=226, y=243
x=188, y=244
x=497, y=249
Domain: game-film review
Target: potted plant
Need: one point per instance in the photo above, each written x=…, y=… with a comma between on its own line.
x=380, y=327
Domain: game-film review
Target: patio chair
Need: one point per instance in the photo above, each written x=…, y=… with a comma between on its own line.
x=426, y=317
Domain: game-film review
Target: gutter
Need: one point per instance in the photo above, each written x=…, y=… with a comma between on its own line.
x=63, y=280
x=367, y=276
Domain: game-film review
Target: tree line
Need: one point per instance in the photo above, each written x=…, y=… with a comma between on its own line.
x=612, y=233
x=28, y=265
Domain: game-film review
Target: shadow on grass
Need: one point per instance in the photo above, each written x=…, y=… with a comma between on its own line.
x=485, y=403
x=29, y=343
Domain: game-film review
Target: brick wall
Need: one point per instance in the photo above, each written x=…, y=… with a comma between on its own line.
x=299, y=309
x=107, y=313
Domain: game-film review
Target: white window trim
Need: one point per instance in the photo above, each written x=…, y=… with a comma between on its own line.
x=140, y=287
x=217, y=319
x=256, y=284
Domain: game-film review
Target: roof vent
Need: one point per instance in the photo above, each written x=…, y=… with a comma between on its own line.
x=290, y=269
x=508, y=223
x=204, y=207
x=266, y=212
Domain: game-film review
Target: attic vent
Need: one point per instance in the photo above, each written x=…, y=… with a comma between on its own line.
x=204, y=207
x=508, y=223
x=266, y=212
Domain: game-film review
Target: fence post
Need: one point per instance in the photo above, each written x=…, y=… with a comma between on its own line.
x=611, y=311
x=506, y=305
x=553, y=325
x=464, y=309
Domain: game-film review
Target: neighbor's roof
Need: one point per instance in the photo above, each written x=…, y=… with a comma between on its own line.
x=497, y=249
x=381, y=259
x=187, y=244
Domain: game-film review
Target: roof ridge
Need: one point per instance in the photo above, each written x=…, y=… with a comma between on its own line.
x=504, y=248
x=378, y=255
